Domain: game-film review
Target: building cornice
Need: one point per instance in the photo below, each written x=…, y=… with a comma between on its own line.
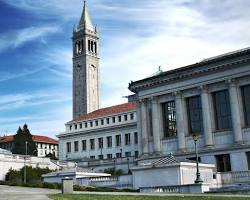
x=205, y=67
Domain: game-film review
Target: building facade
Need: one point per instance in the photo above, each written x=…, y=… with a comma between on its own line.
x=210, y=98
x=104, y=134
x=45, y=145
x=85, y=66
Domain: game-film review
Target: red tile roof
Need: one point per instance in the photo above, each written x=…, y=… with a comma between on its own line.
x=126, y=107
x=36, y=138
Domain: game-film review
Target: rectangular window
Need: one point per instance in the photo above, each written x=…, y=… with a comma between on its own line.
x=68, y=146
x=131, y=116
x=109, y=141
x=100, y=143
x=194, y=111
x=92, y=144
x=96, y=122
x=119, y=118
x=135, y=138
x=125, y=117
x=91, y=124
x=76, y=147
x=223, y=118
x=84, y=145
x=107, y=120
x=70, y=127
x=127, y=154
x=118, y=155
x=109, y=156
x=81, y=125
x=223, y=163
x=127, y=139
x=102, y=121
x=92, y=157
x=136, y=154
x=86, y=125
x=100, y=157
x=75, y=126
x=118, y=140
x=248, y=159
x=246, y=103
x=169, y=119
x=113, y=119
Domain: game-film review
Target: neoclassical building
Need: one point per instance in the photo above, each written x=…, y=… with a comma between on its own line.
x=210, y=98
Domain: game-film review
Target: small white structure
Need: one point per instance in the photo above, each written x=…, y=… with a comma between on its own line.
x=80, y=176
x=170, y=175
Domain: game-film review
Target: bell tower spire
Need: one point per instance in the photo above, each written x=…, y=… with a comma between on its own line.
x=85, y=21
x=85, y=66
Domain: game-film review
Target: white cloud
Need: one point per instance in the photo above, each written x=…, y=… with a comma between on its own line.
x=16, y=38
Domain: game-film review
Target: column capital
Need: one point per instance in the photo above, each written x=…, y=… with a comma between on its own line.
x=203, y=88
x=231, y=82
x=154, y=99
x=177, y=94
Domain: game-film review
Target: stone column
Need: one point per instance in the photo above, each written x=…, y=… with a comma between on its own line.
x=156, y=125
x=139, y=127
x=235, y=112
x=206, y=116
x=144, y=127
x=180, y=121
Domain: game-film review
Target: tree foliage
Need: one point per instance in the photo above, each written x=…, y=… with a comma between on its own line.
x=33, y=175
x=20, y=139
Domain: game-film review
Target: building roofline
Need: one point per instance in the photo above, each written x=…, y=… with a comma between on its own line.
x=135, y=86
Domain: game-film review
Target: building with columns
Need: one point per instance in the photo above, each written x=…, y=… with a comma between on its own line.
x=210, y=98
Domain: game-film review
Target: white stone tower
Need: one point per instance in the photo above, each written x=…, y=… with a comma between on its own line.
x=85, y=66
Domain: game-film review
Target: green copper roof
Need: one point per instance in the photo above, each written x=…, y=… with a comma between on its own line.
x=85, y=19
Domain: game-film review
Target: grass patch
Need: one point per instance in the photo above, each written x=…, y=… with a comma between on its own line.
x=119, y=197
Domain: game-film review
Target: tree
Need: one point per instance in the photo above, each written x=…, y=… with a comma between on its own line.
x=20, y=139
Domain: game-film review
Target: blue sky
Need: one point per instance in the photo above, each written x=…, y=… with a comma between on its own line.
x=135, y=38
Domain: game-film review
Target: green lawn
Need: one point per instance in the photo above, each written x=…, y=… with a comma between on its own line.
x=113, y=197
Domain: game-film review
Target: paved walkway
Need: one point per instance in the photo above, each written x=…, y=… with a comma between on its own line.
x=163, y=194
x=23, y=193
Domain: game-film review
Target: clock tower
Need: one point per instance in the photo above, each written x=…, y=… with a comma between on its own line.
x=85, y=66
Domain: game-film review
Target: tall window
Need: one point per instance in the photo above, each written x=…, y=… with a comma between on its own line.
x=118, y=140
x=92, y=144
x=135, y=138
x=223, y=163
x=222, y=110
x=76, y=146
x=246, y=103
x=169, y=119
x=100, y=143
x=127, y=139
x=248, y=159
x=68, y=146
x=195, y=114
x=84, y=145
x=109, y=141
